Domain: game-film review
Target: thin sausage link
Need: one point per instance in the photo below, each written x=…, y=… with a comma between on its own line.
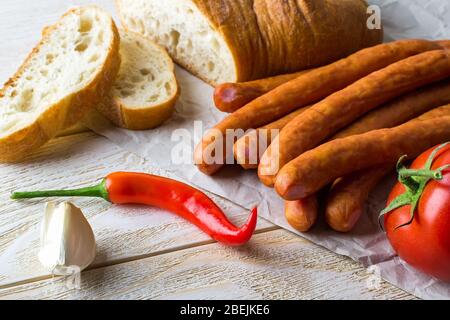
x=302, y=214
x=249, y=149
x=348, y=196
x=315, y=169
x=401, y=110
x=229, y=97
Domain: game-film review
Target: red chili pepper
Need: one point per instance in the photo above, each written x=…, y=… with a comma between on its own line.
x=174, y=196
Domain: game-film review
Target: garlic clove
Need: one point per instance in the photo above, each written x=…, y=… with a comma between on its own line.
x=67, y=240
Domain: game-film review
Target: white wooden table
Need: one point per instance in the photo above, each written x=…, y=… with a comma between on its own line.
x=145, y=253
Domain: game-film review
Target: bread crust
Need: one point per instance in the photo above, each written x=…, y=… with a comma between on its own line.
x=271, y=37
x=147, y=118
x=65, y=113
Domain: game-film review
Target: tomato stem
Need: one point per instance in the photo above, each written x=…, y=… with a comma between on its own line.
x=415, y=182
x=432, y=174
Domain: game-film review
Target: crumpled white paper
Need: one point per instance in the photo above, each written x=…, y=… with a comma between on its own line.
x=366, y=244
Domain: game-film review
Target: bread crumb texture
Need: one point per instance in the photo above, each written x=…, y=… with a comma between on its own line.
x=67, y=60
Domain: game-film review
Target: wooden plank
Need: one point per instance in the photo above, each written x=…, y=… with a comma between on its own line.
x=122, y=232
x=275, y=265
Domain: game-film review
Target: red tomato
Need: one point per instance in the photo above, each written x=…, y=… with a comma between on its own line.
x=425, y=243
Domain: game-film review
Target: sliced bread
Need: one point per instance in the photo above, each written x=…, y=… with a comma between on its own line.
x=68, y=72
x=240, y=40
x=146, y=89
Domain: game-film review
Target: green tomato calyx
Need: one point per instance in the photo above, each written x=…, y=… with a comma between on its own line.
x=415, y=182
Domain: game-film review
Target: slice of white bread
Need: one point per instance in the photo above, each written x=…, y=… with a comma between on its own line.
x=146, y=89
x=67, y=73
x=240, y=40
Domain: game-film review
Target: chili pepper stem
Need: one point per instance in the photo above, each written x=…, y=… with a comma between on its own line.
x=98, y=191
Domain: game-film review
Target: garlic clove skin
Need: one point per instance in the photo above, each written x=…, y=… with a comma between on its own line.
x=67, y=240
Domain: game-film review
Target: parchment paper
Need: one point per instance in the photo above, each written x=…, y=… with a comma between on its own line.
x=367, y=244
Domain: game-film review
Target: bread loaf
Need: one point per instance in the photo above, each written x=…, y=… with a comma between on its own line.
x=240, y=40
